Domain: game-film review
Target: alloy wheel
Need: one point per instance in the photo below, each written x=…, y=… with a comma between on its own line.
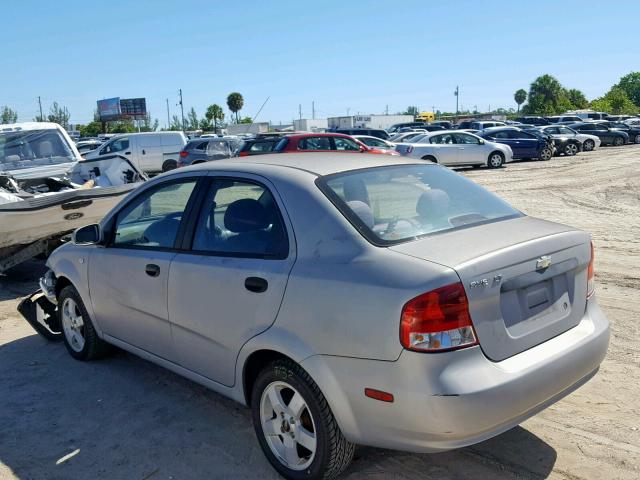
x=546, y=154
x=496, y=160
x=637, y=139
x=588, y=146
x=571, y=149
x=288, y=425
x=73, y=324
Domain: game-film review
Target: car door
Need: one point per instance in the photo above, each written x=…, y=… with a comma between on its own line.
x=603, y=132
x=470, y=150
x=120, y=146
x=128, y=277
x=229, y=286
x=444, y=148
x=149, y=151
x=528, y=144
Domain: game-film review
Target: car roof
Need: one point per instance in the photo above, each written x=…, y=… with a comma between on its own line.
x=317, y=164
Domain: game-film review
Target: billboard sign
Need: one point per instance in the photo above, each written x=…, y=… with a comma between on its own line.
x=109, y=109
x=135, y=108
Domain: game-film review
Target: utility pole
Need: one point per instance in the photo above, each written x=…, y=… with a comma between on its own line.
x=40, y=103
x=300, y=111
x=457, y=94
x=386, y=110
x=182, y=109
x=348, y=110
x=313, y=109
x=168, y=120
x=433, y=110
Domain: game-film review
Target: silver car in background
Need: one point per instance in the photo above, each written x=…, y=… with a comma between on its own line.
x=384, y=302
x=456, y=148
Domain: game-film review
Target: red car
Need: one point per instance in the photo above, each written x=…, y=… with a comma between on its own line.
x=325, y=142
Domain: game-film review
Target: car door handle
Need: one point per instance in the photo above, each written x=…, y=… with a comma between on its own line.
x=152, y=270
x=256, y=284
x=143, y=152
x=127, y=153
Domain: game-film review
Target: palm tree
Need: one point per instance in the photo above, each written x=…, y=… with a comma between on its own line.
x=545, y=94
x=235, y=102
x=520, y=97
x=214, y=113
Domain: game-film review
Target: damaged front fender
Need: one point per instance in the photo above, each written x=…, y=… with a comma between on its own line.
x=42, y=315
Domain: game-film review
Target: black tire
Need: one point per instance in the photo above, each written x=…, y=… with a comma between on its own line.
x=588, y=145
x=637, y=138
x=618, y=141
x=430, y=158
x=333, y=452
x=492, y=160
x=169, y=165
x=94, y=347
x=570, y=149
x=546, y=154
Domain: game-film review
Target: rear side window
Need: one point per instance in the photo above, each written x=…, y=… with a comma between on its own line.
x=395, y=204
x=261, y=147
x=240, y=218
x=314, y=143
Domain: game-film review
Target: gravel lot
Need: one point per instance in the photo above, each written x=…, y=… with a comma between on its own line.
x=124, y=418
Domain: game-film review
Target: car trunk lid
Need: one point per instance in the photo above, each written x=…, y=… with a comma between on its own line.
x=525, y=279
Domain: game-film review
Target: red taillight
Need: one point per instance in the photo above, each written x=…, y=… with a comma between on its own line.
x=591, y=283
x=243, y=154
x=438, y=320
x=183, y=154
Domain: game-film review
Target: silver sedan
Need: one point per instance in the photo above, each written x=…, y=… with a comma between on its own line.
x=385, y=302
x=456, y=148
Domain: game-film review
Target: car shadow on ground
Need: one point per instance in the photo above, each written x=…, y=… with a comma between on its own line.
x=21, y=280
x=123, y=417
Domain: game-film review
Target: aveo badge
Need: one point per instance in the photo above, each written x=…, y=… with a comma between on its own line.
x=73, y=216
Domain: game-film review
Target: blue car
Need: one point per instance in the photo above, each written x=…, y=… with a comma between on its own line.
x=523, y=144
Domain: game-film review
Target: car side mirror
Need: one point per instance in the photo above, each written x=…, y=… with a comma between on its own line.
x=481, y=142
x=87, y=235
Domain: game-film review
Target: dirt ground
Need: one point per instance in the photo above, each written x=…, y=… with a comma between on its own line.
x=124, y=418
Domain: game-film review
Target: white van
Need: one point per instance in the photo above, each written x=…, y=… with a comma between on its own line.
x=150, y=151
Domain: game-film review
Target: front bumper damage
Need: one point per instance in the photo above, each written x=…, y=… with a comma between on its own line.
x=41, y=311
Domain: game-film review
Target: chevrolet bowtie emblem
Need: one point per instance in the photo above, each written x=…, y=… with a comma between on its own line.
x=543, y=263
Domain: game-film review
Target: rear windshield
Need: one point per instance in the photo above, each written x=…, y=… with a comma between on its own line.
x=395, y=204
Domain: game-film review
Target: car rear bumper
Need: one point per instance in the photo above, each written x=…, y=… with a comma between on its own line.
x=453, y=399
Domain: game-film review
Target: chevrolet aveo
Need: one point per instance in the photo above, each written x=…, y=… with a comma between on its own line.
x=382, y=302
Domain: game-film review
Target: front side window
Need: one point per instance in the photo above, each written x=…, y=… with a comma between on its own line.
x=346, y=144
x=314, y=143
x=399, y=203
x=152, y=219
x=118, y=145
x=240, y=218
x=261, y=147
x=33, y=148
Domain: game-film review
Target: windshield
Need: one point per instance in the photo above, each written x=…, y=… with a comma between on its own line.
x=33, y=148
x=395, y=204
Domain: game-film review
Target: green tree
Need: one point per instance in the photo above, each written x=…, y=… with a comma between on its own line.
x=546, y=96
x=192, y=119
x=176, y=124
x=8, y=115
x=520, y=97
x=235, y=102
x=148, y=125
x=59, y=115
x=630, y=83
x=90, y=129
x=245, y=120
x=616, y=101
x=215, y=114
x=411, y=110
x=577, y=98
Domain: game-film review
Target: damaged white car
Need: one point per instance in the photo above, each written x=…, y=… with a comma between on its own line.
x=47, y=189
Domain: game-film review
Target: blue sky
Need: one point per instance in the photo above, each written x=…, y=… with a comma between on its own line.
x=360, y=56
